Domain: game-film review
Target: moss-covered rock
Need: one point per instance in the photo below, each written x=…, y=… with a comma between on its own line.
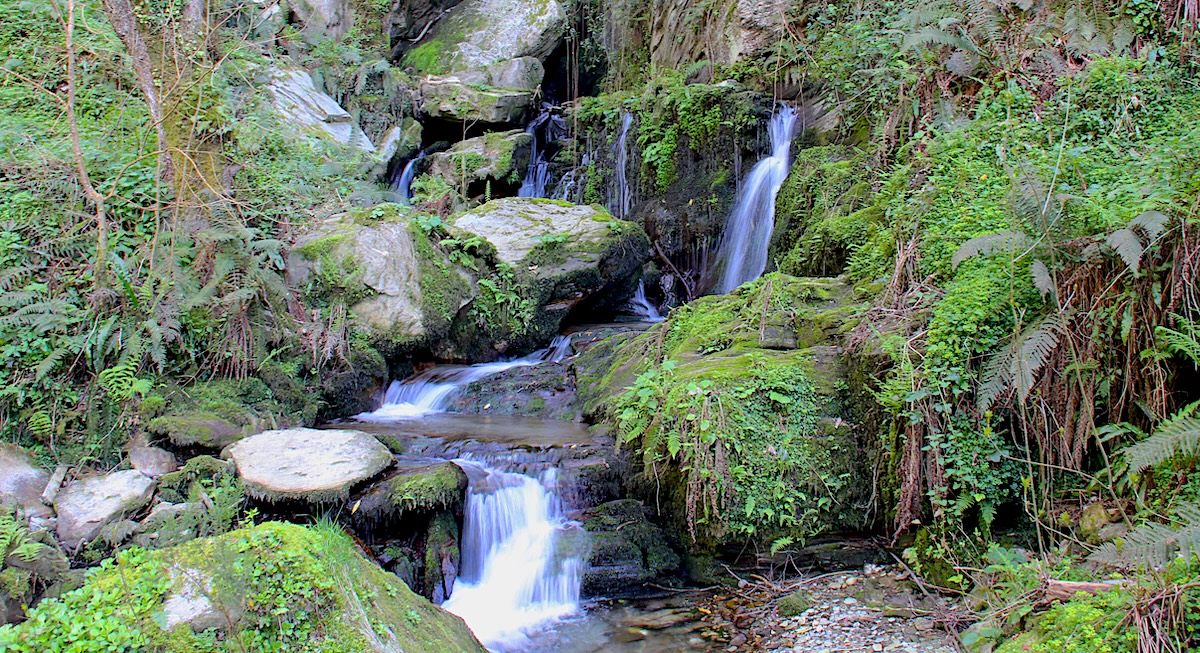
x=499, y=158
x=544, y=391
x=627, y=550
x=478, y=34
x=734, y=405
x=271, y=587
x=416, y=489
x=215, y=414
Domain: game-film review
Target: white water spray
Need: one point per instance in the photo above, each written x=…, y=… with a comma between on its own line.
x=432, y=391
x=516, y=575
x=621, y=197
x=545, y=129
x=642, y=307
x=403, y=183
x=743, y=253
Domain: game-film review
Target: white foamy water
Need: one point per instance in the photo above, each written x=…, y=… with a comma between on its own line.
x=516, y=577
x=544, y=129
x=743, y=253
x=403, y=183
x=432, y=391
x=642, y=307
x=620, y=195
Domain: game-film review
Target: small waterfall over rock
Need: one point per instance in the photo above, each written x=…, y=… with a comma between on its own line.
x=642, y=307
x=403, y=183
x=743, y=252
x=432, y=390
x=545, y=129
x=519, y=570
x=620, y=195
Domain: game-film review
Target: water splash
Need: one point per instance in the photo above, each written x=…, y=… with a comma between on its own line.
x=545, y=129
x=432, y=391
x=403, y=183
x=743, y=253
x=621, y=197
x=517, y=575
x=642, y=307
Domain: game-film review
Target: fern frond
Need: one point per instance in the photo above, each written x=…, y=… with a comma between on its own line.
x=1042, y=279
x=1020, y=362
x=1154, y=545
x=1185, y=341
x=1128, y=246
x=1179, y=435
x=990, y=244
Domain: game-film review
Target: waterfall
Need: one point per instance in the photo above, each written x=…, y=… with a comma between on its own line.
x=403, y=183
x=432, y=390
x=621, y=198
x=544, y=129
x=517, y=574
x=743, y=252
x=641, y=306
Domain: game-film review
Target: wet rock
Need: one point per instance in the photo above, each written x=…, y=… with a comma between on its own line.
x=543, y=391
x=500, y=157
x=415, y=489
x=307, y=464
x=22, y=483
x=661, y=619
x=152, y=461
x=627, y=549
x=86, y=506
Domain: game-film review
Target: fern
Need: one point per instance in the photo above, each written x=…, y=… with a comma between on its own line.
x=1179, y=435
x=1154, y=545
x=1042, y=279
x=990, y=244
x=1185, y=341
x=1020, y=362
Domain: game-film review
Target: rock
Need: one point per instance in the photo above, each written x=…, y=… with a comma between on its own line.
x=500, y=157
x=399, y=142
x=415, y=489
x=545, y=391
x=661, y=619
x=86, y=506
x=520, y=73
x=308, y=111
x=22, y=483
x=307, y=464
x=793, y=604
x=214, y=414
x=323, y=20
x=1093, y=518
x=409, y=291
x=333, y=597
x=449, y=97
x=480, y=33
x=1111, y=532
x=627, y=549
x=152, y=461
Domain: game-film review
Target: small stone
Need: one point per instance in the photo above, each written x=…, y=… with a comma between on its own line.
x=152, y=461
x=737, y=640
x=877, y=647
x=850, y=600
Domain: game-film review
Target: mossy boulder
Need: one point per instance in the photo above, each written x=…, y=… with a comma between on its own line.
x=478, y=34
x=415, y=489
x=448, y=97
x=544, y=391
x=496, y=157
x=734, y=405
x=401, y=290
x=627, y=550
x=270, y=587
x=307, y=464
x=214, y=414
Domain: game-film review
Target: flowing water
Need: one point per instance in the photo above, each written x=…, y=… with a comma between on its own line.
x=642, y=307
x=433, y=390
x=403, y=184
x=545, y=129
x=620, y=196
x=743, y=252
x=519, y=572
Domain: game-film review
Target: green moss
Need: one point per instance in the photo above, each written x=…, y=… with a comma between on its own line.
x=443, y=288
x=288, y=588
x=427, y=489
x=429, y=58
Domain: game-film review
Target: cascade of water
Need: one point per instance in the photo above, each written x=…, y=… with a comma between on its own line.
x=620, y=196
x=432, y=390
x=641, y=306
x=743, y=252
x=403, y=183
x=545, y=129
x=517, y=574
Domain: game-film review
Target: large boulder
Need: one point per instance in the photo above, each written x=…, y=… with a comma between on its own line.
x=307, y=464
x=450, y=97
x=282, y=586
x=498, y=157
x=86, y=506
x=309, y=112
x=22, y=483
x=481, y=33
x=401, y=290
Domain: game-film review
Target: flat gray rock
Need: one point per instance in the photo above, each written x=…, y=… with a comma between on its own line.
x=307, y=464
x=152, y=461
x=22, y=482
x=86, y=506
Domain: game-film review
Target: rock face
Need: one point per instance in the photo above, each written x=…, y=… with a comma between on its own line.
x=323, y=19
x=152, y=461
x=21, y=483
x=480, y=33
x=332, y=597
x=307, y=464
x=88, y=505
x=310, y=111
x=627, y=550
x=500, y=157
